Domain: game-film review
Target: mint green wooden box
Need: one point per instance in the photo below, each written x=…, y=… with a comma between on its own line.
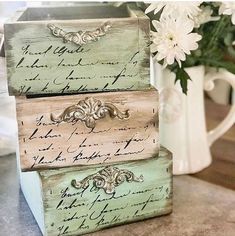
x=74, y=201
x=60, y=50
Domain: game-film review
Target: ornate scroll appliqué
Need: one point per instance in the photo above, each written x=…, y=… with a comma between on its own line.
x=80, y=37
x=107, y=179
x=88, y=111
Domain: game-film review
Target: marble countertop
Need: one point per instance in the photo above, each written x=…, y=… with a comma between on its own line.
x=200, y=209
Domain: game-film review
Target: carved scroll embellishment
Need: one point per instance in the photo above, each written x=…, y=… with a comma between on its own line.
x=80, y=37
x=107, y=179
x=88, y=111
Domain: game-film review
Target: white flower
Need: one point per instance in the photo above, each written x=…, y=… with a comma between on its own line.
x=173, y=39
x=175, y=9
x=204, y=16
x=228, y=8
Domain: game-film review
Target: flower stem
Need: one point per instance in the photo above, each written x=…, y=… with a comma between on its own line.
x=215, y=35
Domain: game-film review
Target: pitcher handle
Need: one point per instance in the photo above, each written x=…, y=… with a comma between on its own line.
x=229, y=120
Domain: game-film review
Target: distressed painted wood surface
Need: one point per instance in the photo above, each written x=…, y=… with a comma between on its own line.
x=71, y=211
x=40, y=63
x=47, y=144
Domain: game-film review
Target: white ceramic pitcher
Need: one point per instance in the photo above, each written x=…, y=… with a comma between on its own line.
x=182, y=118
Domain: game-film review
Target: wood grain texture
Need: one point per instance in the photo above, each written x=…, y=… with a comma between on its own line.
x=47, y=144
x=40, y=63
x=70, y=211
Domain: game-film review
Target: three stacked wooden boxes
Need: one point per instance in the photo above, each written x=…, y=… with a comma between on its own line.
x=87, y=160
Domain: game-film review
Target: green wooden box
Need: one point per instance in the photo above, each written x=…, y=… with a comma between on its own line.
x=74, y=201
x=77, y=49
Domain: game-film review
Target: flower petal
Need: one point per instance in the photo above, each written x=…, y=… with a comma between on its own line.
x=233, y=18
x=153, y=48
x=156, y=24
x=150, y=8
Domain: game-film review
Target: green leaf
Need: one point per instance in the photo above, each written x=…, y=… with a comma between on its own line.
x=183, y=77
x=230, y=66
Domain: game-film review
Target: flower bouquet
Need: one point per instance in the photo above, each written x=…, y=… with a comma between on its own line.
x=186, y=34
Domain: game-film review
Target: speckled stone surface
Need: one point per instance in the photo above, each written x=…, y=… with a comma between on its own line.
x=200, y=209
x=15, y=216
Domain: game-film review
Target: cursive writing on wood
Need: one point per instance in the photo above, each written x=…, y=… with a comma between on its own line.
x=73, y=211
x=42, y=64
x=47, y=143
